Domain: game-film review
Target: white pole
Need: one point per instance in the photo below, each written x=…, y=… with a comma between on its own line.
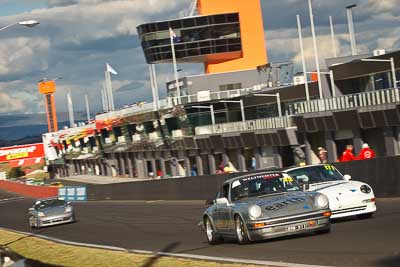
x=278, y=102
x=212, y=114
x=178, y=90
x=153, y=94
x=102, y=99
x=107, y=88
x=393, y=72
x=333, y=37
x=87, y=108
x=153, y=67
x=242, y=110
x=315, y=49
x=70, y=110
x=111, y=91
x=303, y=58
x=332, y=83
x=105, y=94
x=351, y=30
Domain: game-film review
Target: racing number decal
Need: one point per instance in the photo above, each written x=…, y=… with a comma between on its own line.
x=329, y=167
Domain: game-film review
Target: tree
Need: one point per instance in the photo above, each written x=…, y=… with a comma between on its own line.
x=16, y=172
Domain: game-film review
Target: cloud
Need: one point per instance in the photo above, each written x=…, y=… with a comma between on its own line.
x=10, y=104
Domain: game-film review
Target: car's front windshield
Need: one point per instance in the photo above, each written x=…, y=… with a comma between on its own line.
x=316, y=174
x=50, y=203
x=261, y=185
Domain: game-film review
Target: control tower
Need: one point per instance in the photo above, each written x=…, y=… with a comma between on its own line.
x=48, y=88
x=226, y=36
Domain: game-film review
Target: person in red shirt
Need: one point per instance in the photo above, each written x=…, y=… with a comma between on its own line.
x=366, y=152
x=348, y=154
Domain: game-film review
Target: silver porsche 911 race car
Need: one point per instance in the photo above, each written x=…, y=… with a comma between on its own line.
x=264, y=205
x=51, y=211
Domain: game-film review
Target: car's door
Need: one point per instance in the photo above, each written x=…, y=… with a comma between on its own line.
x=226, y=212
x=219, y=220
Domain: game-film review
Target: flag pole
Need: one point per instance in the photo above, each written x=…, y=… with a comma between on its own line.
x=303, y=58
x=153, y=68
x=178, y=90
x=87, y=108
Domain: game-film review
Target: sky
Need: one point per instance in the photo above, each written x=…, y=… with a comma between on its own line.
x=76, y=38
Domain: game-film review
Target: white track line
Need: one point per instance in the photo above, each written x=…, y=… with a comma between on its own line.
x=177, y=255
x=10, y=199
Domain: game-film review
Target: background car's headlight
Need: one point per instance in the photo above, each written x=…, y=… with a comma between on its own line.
x=321, y=201
x=365, y=189
x=41, y=214
x=255, y=211
x=68, y=209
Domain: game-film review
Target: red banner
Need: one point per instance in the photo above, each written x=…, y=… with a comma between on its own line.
x=21, y=152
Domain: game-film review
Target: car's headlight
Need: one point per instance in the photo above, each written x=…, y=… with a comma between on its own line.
x=255, y=211
x=68, y=209
x=321, y=201
x=365, y=189
x=41, y=214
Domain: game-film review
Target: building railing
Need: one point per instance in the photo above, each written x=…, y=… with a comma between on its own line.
x=251, y=125
x=373, y=98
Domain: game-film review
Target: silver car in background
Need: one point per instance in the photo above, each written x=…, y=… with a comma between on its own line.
x=264, y=205
x=51, y=211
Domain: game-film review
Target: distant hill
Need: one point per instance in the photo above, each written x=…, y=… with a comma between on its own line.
x=23, y=141
x=17, y=129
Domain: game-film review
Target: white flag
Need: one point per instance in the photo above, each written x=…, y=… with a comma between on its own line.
x=110, y=69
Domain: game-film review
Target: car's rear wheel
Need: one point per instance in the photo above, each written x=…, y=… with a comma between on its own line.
x=364, y=216
x=32, y=222
x=212, y=238
x=241, y=231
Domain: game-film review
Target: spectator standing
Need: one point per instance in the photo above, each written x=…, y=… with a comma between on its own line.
x=366, y=152
x=323, y=155
x=348, y=154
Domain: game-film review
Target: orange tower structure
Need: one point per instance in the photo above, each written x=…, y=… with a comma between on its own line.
x=48, y=88
x=251, y=29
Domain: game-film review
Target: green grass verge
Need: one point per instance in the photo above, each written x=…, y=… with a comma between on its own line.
x=66, y=255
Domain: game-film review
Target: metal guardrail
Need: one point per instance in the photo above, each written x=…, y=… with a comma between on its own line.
x=251, y=125
x=366, y=99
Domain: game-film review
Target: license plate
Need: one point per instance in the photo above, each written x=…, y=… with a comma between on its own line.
x=298, y=227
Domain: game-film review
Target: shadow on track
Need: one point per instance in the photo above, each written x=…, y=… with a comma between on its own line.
x=154, y=259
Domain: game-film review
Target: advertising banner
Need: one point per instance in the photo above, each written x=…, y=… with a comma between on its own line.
x=21, y=152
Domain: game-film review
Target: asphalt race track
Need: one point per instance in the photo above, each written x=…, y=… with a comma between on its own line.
x=172, y=227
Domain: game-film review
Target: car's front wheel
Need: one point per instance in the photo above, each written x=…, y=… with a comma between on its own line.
x=212, y=238
x=32, y=222
x=241, y=231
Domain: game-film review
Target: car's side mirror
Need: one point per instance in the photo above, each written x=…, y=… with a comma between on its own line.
x=305, y=187
x=69, y=203
x=31, y=209
x=222, y=201
x=347, y=177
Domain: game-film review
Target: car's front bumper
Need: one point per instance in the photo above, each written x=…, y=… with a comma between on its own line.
x=355, y=210
x=314, y=222
x=56, y=219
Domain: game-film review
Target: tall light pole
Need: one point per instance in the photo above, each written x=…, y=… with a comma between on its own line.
x=26, y=23
x=278, y=101
x=87, y=108
x=211, y=108
x=393, y=68
x=178, y=90
x=351, y=29
x=303, y=58
x=315, y=49
x=241, y=106
x=333, y=37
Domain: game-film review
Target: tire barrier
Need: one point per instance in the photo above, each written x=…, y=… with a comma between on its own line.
x=29, y=190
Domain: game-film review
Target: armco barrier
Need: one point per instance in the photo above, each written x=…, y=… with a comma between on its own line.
x=29, y=190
